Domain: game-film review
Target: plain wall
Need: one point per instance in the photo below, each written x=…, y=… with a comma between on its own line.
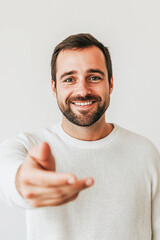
x=29, y=32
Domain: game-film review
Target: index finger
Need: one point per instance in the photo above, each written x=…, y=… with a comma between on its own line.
x=45, y=178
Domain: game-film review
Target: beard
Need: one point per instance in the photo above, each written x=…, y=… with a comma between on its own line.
x=84, y=118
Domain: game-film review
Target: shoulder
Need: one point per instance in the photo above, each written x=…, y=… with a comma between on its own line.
x=29, y=139
x=138, y=143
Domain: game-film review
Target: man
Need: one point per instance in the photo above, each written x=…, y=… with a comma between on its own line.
x=119, y=171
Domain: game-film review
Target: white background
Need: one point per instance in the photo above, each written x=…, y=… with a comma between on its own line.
x=29, y=32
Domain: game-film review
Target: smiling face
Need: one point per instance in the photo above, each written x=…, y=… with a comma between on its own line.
x=82, y=87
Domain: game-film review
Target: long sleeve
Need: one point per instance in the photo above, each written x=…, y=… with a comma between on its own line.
x=125, y=197
x=12, y=155
x=155, y=208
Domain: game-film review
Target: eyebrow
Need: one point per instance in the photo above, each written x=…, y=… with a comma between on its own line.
x=68, y=73
x=88, y=71
x=95, y=71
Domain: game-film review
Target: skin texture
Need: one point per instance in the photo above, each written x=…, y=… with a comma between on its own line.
x=86, y=81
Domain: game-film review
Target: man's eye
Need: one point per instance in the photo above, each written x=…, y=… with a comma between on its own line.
x=68, y=80
x=95, y=78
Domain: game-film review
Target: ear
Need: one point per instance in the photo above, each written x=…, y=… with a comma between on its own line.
x=53, y=88
x=111, y=85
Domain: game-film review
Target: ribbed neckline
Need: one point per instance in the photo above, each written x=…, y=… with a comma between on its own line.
x=87, y=144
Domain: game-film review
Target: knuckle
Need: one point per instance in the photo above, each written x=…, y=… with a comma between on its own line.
x=28, y=194
x=71, y=175
x=24, y=179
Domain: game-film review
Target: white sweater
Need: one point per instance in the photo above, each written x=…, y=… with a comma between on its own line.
x=123, y=203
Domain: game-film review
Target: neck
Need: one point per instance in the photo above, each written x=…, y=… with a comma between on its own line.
x=97, y=131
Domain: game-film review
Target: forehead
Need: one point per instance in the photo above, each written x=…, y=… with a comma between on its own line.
x=80, y=59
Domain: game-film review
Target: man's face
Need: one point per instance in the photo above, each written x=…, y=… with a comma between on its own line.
x=82, y=87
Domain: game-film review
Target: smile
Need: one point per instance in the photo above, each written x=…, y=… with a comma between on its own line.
x=82, y=103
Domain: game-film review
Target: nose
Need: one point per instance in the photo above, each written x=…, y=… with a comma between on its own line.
x=83, y=88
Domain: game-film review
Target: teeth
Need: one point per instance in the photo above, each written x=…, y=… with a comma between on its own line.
x=83, y=104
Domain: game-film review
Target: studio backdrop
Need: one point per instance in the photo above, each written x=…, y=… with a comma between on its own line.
x=29, y=32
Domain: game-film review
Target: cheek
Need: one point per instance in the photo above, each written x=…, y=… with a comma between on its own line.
x=101, y=91
x=63, y=93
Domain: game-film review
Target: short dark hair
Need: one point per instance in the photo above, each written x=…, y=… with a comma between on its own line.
x=80, y=41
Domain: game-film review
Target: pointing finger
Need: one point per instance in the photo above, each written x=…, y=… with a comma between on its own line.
x=45, y=178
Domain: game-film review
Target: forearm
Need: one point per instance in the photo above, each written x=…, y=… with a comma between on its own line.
x=12, y=155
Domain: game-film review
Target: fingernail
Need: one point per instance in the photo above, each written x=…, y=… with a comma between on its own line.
x=89, y=182
x=71, y=180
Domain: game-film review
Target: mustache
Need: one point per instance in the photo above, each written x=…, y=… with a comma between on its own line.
x=86, y=98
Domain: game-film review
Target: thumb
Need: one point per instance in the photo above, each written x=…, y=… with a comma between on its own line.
x=42, y=155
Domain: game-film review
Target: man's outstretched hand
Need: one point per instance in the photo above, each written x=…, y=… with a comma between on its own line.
x=39, y=183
